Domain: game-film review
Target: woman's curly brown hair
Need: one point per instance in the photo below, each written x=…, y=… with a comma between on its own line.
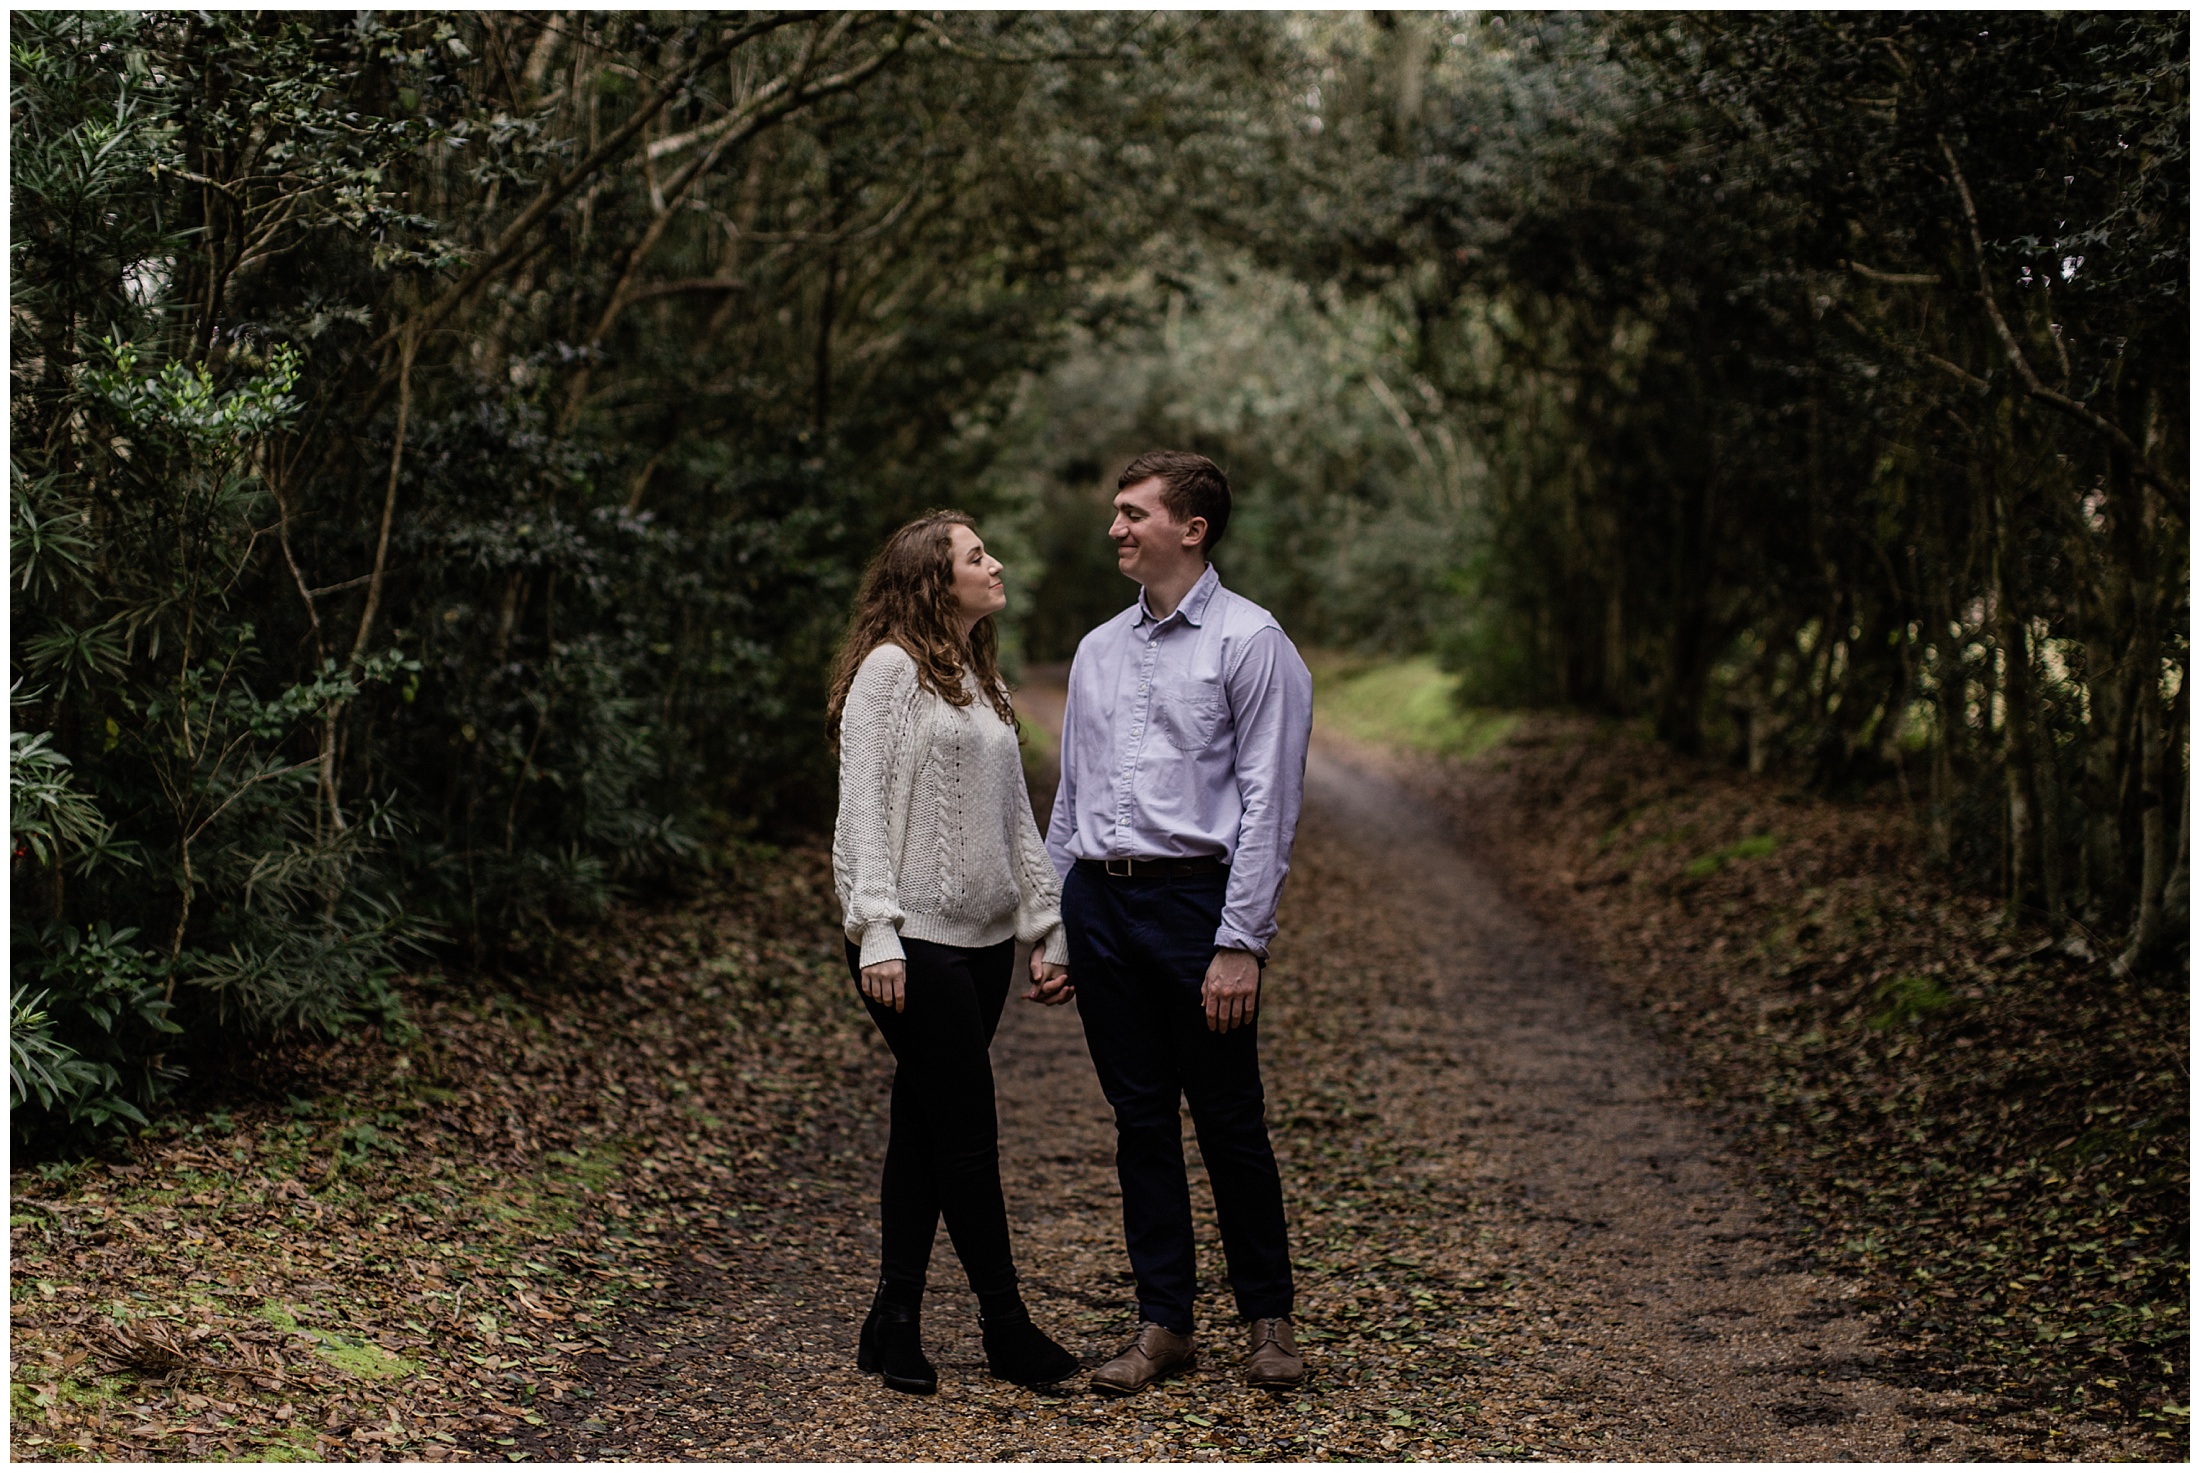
x=908, y=598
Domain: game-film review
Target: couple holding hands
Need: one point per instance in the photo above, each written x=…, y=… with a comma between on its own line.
x=1151, y=899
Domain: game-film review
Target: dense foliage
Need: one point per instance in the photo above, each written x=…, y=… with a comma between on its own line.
x=444, y=443
x=1813, y=387
x=1877, y=335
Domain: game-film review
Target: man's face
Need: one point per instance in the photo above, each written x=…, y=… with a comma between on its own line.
x=1149, y=543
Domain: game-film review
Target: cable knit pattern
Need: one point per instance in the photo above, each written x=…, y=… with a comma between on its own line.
x=935, y=837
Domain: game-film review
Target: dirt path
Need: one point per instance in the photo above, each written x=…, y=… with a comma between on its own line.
x=1513, y=1238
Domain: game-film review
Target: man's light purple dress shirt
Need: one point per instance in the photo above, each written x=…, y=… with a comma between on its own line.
x=1186, y=736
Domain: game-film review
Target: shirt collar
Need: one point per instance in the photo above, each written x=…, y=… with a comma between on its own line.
x=1193, y=608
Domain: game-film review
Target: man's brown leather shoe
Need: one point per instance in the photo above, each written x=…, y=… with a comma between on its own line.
x=1275, y=1363
x=1155, y=1353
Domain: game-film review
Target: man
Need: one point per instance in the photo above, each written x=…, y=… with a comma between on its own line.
x=1183, y=759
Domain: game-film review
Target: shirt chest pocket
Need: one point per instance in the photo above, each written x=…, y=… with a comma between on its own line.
x=1187, y=719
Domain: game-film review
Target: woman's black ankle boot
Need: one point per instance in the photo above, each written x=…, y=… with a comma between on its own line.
x=891, y=1345
x=1018, y=1350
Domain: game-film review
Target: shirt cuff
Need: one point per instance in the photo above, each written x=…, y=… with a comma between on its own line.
x=1229, y=940
x=881, y=943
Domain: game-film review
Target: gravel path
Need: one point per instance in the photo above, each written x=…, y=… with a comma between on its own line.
x=1514, y=1239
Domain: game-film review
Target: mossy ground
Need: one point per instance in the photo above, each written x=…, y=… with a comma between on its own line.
x=1408, y=703
x=398, y=1250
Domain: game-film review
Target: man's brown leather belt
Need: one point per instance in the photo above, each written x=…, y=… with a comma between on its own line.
x=1155, y=869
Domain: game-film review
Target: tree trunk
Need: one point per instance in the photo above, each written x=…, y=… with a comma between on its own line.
x=2111, y=710
x=821, y=368
x=1688, y=649
x=2025, y=870
x=2176, y=890
x=2154, y=858
x=1955, y=723
x=1613, y=677
x=2155, y=738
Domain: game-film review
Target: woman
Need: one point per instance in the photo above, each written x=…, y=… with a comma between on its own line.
x=940, y=872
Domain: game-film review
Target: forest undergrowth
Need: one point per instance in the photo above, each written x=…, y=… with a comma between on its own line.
x=1976, y=1115
x=395, y=1249
x=405, y=1247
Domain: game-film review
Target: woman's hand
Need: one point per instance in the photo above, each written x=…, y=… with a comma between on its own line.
x=1050, y=982
x=883, y=983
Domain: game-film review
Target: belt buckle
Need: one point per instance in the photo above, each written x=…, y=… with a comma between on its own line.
x=1124, y=873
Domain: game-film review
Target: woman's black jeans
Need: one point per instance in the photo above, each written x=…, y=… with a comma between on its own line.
x=943, y=1142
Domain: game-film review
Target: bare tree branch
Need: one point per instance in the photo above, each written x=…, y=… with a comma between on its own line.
x=409, y=350
x=787, y=94
x=2107, y=428
x=1894, y=278
x=692, y=284
x=558, y=188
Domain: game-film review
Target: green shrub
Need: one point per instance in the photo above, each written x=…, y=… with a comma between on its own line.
x=89, y=1020
x=1756, y=846
x=1904, y=1000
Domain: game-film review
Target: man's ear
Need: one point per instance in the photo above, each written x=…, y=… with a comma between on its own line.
x=1195, y=531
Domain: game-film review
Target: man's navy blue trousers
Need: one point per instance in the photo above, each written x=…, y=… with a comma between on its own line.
x=1138, y=955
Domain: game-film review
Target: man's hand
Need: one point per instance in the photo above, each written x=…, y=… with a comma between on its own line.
x=1232, y=989
x=1050, y=982
x=884, y=983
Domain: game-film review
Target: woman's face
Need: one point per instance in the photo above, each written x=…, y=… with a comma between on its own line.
x=978, y=590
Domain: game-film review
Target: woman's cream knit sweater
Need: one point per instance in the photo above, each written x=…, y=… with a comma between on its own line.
x=935, y=838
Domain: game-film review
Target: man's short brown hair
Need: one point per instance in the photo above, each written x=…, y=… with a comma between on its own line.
x=1191, y=486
